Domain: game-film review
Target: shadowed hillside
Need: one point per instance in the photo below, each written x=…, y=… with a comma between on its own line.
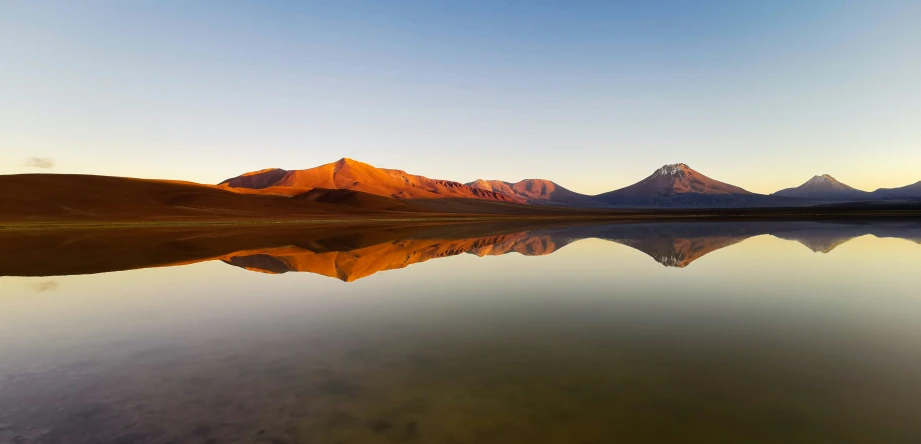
x=58, y=197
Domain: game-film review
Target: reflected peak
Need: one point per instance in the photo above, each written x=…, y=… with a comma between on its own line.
x=350, y=253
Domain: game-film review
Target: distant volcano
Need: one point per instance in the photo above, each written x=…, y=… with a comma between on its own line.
x=678, y=185
x=824, y=187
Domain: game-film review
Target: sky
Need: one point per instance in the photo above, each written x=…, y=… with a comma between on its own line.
x=592, y=95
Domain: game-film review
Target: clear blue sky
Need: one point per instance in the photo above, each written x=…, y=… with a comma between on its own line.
x=592, y=95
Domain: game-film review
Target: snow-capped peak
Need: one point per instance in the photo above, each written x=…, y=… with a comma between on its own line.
x=822, y=179
x=671, y=169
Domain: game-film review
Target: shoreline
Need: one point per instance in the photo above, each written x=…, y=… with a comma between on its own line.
x=627, y=215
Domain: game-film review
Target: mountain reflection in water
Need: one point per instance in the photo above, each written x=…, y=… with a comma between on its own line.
x=355, y=252
x=595, y=341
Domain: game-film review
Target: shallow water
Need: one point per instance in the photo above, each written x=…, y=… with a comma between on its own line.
x=675, y=332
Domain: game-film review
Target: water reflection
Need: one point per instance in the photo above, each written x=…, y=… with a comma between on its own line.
x=523, y=333
x=350, y=253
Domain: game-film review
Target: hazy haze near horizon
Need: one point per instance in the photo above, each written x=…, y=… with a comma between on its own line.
x=593, y=96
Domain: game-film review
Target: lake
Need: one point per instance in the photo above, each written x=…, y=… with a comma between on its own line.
x=527, y=332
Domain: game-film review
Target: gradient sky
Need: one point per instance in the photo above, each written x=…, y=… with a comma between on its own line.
x=592, y=95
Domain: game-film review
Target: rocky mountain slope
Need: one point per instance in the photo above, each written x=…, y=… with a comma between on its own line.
x=348, y=174
x=535, y=191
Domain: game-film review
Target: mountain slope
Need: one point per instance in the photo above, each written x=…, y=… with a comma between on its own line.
x=356, y=199
x=74, y=197
x=823, y=187
x=678, y=185
x=535, y=191
x=348, y=174
x=912, y=191
x=63, y=197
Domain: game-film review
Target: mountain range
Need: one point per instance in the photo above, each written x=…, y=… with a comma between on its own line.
x=348, y=174
x=673, y=185
x=351, y=189
x=535, y=191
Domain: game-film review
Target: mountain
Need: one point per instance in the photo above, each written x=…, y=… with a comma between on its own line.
x=672, y=252
x=824, y=187
x=351, y=265
x=912, y=191
x=527, y=243
x=817, y=243
x=535, y=191
x=678, y=185
x=74, y=197
x=348, y=174
x=41, y=198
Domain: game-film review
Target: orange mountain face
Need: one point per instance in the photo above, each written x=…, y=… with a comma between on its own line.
x=348, y=174
x=533, y=190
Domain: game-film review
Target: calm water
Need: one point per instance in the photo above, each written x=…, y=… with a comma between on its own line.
x=709, y=332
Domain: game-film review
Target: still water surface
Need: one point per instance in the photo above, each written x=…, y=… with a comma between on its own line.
x=709, y=332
